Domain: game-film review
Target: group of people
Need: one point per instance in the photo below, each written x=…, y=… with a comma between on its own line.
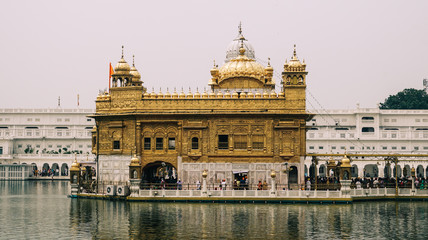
x=388, y=182
x=46, y=172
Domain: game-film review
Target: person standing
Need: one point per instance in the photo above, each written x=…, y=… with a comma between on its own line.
x=308, y=185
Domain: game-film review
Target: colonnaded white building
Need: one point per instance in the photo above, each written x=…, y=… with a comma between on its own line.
x=46, y=138
x=370, y=131
x=50, y=138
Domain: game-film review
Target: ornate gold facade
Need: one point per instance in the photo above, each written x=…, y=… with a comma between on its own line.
x=241, y=120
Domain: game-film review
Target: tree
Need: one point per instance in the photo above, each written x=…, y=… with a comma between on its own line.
x=409, y=98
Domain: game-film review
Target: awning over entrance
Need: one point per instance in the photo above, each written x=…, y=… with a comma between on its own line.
x=241, y=171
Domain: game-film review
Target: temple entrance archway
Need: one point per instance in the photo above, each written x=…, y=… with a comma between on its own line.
x=55, y=169
x=156, y=171
x=420, y=171
x=64, y=169
x=293, y=174
x=371, y=170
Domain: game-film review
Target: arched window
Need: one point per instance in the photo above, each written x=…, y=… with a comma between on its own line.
x=195, y=143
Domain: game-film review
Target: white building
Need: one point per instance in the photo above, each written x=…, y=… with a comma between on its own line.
x=370, y=131
x=46, y=138
x=49, y=138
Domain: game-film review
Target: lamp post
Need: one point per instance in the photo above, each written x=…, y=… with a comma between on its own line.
x=395, y=160
x=315, y=163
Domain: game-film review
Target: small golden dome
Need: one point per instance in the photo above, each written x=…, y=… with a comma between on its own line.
x=205, y=174
x=134, y=72
x=153, y=94
x=197, y=94
x=235, y=94
x=122, y=67
x=160, y=94
x=212, y=94
x=75, y=166
x=273, y=174
x=189, y=94
x=135, y=161
x=243, y=95
x=258, y=94
x=265, y=94
x=272, y=94
x=227, y=94
x=250, y=94
x=205, y=94
x=219, y=94
x=182, y=94
x=346, y=162
x=175, y=94
x=167, y=94
x=146, y=95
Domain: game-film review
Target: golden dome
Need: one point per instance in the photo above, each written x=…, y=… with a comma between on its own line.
x=241, y=66
x=153, y=94
x=135, y=161
x=205, y=94
x=167, y=94
x=219, y=94
x=235, y=94
x=346, y=162
x=294, y=64
x=265, y=94
x=212, y=94
x=258, y=94
x=160, y=94
x=134, y=72
x=250, y=94
x=272, y=94
x=146, y=95
x=122, y=67
x=75, y=166
x=182, y=95
x=175, y=94
x=189, y=94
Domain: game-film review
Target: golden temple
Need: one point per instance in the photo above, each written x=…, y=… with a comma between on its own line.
x=239, y=127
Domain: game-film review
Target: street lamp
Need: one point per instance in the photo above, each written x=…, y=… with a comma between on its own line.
x=395, y=160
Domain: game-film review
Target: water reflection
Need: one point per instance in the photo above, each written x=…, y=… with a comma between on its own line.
x=42, y=210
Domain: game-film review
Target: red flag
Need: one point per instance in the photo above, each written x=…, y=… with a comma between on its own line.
x=111, y=72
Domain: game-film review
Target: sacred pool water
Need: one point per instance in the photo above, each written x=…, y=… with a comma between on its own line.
x=41, y=210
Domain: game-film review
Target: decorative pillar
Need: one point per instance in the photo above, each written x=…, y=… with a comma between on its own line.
x=345, y=176
x=273, y=185
x=138, y=139
x=413, y=172
x=204, y=184
x=135, y=176
x=75, y=178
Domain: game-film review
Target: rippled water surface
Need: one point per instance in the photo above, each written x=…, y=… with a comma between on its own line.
x=41, y=210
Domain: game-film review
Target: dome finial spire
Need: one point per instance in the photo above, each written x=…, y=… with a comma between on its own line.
x=294, y=53
x=240, y=28
x=133, y=62
x=122, y=51
x=269, y=61
x=242, y=49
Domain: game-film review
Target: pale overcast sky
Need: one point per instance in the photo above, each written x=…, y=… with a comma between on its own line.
x=356, y=51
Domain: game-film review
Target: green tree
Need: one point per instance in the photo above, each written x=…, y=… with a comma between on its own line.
x=409, y=98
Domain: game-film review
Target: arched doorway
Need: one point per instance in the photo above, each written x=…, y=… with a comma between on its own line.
x=64, y=169
x=322, y=171
x=312, y=171
x=55, y=169
x=387, y=171
x=354, y=171
x=306, y=171
x=398, y=171
x=293, y=175
x=371, y=170
x=156, y=171
x=420, y=171
x=45, y=169
x=34, y=166
x=406, y=171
